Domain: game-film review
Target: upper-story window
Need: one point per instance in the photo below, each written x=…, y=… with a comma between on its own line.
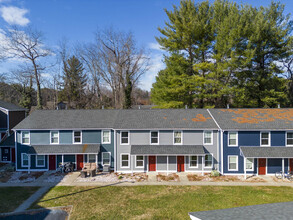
x=77, y=137
x=177, y=137
x=232, y=138
x=25, y=137
x=54, y=137
x=208, y=137
x=265, y=138
x=124, y=137
x=154, y=137
x=289, y=139
x=106, y=137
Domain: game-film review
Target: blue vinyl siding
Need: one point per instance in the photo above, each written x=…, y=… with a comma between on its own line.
x=278, y=138
x=274, y=165
x=65, y=137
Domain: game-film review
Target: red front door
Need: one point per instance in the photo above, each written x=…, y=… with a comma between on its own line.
x=180, y=163
x=291, y=165
x=52, y=162
x=13, y=155
x=262, y=166
x=79, y=161
x=152, y=163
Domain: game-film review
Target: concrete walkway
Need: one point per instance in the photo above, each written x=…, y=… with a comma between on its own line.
x=27, y=203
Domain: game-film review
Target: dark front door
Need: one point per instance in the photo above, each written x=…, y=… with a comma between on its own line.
x=291, y=165
x=180, y=163
x=52, y=162
x=5, y=152
x=152, y=163
x=13, y=155
x=79, y=161
x=262, y=166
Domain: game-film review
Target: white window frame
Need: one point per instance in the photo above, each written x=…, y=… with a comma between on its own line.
x=236, y=162
x=123, y=154
x=103, y=137
x=269, y=139
x=73, y=141
x=192, y=160
x=121, y=138
x=22, y=154
x=139, y=160
x=211, y=137
x=51, y=137
x=29, y=138
x=252, y=169
x=88, y=158
x=109, y=158
x=212, y=161
x=236, y=145
x=36, y=156
x=288, y=145
x=151, y=138
x=181, y=137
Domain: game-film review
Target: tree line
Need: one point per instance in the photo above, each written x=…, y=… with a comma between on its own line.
x=225, y=53
x=101, y=73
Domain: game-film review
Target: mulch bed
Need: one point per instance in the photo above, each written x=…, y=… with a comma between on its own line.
x=169, y=178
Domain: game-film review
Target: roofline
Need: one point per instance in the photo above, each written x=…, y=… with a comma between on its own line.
x=14, y=110
x=260, y=129
x=115, y=129
x=214, y=119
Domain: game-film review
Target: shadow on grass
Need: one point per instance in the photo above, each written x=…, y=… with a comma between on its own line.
x=82, y=191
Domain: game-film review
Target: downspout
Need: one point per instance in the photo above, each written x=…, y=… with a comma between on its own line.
x=15, y=143
x=115, y=159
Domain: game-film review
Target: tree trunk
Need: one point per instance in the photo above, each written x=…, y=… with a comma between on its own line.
x=39, y=96
x=127, y=92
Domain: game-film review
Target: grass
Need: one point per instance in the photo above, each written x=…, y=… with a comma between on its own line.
x=12, y=197
x=157, y=202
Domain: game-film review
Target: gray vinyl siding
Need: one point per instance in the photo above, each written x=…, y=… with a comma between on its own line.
x=138, y=137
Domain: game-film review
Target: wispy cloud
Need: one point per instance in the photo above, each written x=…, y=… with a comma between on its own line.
x=14, y=15
x=155, y=46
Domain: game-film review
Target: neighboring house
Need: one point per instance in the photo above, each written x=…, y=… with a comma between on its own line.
x=49, y=137
x=255, y=141
x=10, y=115
x=166, y=140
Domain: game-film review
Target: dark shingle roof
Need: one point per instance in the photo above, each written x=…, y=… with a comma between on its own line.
x=59, y=149
x=119, y=119
x=69, y=119
x=167, y=149
x=266, y=211
x=267, y=152
x=11, y=107
x=250, y=119
x=165, y=119
x=8, y=142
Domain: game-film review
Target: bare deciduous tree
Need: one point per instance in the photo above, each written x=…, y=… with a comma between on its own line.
x=28, y=45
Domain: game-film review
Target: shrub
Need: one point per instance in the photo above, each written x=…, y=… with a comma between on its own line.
x=215, y=173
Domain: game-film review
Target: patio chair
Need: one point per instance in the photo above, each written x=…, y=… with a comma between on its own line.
x=93, y=169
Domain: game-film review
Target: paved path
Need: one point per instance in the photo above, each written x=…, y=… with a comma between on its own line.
x=27, y=203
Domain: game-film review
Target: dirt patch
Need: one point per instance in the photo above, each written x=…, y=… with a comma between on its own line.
x=193, y=177
x=138, y=177
x=57, y=177
x=5, y=176
x=209, y=178
x=24, y=177
x=170, y=178
x=255, y=179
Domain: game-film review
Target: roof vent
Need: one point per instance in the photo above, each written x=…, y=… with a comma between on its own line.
x=228, y=106
x=103, y=107
x=139, y=107
x=186, y=107
x=279, y=106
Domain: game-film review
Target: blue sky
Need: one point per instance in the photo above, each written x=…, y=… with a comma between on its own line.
x=78, y=19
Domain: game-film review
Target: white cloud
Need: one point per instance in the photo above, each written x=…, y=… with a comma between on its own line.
x=155, y=46
x=14, y=15
x=156, y=64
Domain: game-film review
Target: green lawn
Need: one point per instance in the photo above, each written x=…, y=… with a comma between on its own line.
x=157, y=202
x=12, y=197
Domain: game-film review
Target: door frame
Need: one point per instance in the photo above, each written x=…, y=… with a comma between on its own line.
x=258, y=166
x=181, y=164
x=291, y=168
x=77, y=162
x=154, y=164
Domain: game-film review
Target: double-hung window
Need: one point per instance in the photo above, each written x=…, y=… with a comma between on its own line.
x=177, y=137
x=139, y=162
x=125, y=160
x=265, y=139
x=24, y=160
x=208, y=137
x=124, y=137
x=208, y=161
x=106, y=137
x=77, y=139
x=289, y=139
x=25, y=137
x=154, y=137
x=192, y=161
x=91, y=158
x=232, y=138
x=232, y=163
x=249, y=164
x=40, y=160
x=54, y=137
x=106, y=158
